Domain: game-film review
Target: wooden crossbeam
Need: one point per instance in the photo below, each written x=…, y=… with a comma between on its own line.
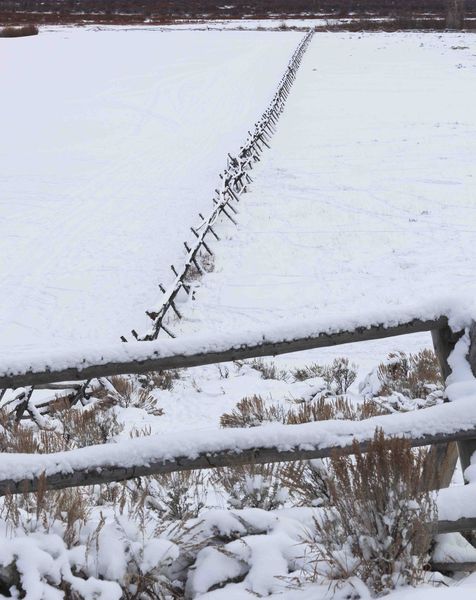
x=60, y=476
x=195, y=351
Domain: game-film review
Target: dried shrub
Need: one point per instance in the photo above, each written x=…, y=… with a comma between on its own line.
x=44, y=509
x=223, y=371
x=377, y=529
x=326, y=409
x=268, y=369
x=252, y=411
x=162, y=380
x=308, y=372
x=413, y=375
x=252, y=486
x=24, y=30
x=177, y=496
x=307, y=482
x=26, y=438
x=339, y=375
x=128, y=392
x=82, y=427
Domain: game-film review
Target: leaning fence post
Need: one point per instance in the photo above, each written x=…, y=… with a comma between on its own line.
x=445, y=455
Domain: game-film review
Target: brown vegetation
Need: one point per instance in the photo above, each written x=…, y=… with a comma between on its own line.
x=380, y=511
x=23, y=31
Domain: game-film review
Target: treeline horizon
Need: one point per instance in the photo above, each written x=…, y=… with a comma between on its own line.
x=175, y=9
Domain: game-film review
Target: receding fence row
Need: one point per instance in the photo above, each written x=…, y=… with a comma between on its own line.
x=234, y=181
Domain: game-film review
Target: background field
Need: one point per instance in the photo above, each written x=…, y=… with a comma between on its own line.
x=111, y=145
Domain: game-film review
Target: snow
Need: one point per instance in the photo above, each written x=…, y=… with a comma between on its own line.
x=365, y=200
x=361, y=213
x=82, y=357
x=106, y=163
x=170, y=446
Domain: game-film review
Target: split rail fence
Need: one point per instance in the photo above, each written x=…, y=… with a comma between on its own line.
x=156, y=454
x=234, y=181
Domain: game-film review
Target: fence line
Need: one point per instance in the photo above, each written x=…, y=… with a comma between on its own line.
x=194, y=351
x=234, y=181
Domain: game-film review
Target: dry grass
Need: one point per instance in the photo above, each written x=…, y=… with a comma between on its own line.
x=252, y=486
x=413, y=375
x=253, y=411
x=23, y=31
x=128, y=392
x=376, y=528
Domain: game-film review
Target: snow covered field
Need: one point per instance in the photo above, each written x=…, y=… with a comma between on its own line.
x=365, y=200
x=111, y=143
x=363, y=204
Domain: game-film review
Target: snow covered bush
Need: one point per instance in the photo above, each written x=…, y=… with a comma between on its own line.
x=338, y=376
x=177, y=496
x=252, y=486
x=406, y=381
x=253, y=411
x=86, y=426
x=267, y=369
x=162, y=380
x=378, y=526
x=128, y=392
x=307, y=482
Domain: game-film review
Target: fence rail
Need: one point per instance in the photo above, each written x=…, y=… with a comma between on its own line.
x=195, y=351
x=438, y=426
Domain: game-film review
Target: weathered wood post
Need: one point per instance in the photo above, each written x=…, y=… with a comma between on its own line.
x=468, y=447
x=454, y=14
x=444, y=341
x=444, y=455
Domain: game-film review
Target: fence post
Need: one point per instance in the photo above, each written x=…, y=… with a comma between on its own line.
x=445, y=456
x=468, y=447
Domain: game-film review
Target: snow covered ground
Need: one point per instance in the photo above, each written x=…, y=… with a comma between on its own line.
x=111, y=143
x=364, y=203
x=365, y=200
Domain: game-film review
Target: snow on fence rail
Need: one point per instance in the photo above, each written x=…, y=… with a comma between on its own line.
x=234, y=181
x=439, y=425
x=198, y=350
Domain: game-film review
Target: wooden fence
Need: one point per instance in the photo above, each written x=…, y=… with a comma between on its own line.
x=234, y=181
x=156, y=454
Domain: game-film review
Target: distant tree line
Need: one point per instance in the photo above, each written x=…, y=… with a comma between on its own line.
x=230, y=8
